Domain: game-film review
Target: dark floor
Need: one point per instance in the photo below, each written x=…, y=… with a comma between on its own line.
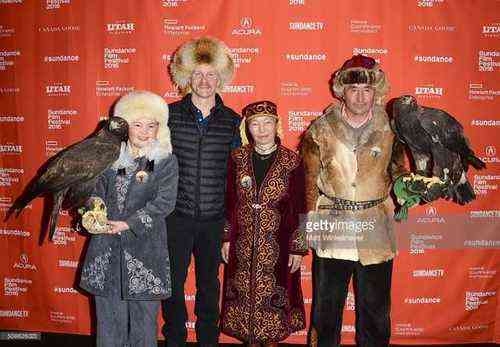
x=66, y=340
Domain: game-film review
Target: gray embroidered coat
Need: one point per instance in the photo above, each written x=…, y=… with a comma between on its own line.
x=134, y=265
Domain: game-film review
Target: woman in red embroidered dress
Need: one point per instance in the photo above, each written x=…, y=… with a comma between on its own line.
x=263, y=247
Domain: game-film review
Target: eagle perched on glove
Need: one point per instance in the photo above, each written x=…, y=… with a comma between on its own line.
x=438, y=146
x=70, y=176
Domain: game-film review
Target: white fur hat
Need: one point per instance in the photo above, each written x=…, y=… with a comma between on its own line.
x=204, y=50
x=144, y=104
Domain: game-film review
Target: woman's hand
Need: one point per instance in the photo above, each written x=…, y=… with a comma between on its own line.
x=117, y=226
x=224, y=251
x=294, y=261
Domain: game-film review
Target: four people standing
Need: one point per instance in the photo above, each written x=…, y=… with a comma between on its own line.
x=244, y=204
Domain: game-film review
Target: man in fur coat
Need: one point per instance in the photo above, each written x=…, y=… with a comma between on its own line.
x=204, y=131
x=351, y=159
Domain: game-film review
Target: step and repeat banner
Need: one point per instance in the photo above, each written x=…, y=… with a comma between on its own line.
x=64, y=62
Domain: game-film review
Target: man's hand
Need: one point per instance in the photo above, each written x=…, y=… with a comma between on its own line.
x=225, y=251
x=294, y=262
x=116, y=227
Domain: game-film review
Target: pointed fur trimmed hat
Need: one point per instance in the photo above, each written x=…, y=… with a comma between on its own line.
x=361, y=69
x=204, y=50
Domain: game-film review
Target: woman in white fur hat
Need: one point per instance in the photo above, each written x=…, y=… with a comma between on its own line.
x=126, y=265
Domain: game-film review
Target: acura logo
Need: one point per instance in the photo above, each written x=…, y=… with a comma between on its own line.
x=491, y=151
x=431, y=211
x=246, y=22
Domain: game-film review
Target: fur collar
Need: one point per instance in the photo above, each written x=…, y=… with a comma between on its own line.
x=156, y=152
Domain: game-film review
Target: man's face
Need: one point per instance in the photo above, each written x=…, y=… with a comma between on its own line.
x=358, y=99
x=204, y=81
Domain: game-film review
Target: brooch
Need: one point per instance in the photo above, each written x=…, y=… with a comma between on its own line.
x=375, y=151
x=141, y=176
x=246, y=181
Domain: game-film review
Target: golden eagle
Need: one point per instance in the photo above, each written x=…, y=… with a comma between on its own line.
x=434, y=136
x=70, y=176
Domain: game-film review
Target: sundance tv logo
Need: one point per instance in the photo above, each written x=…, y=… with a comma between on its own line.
x=24, y=263
x=120, y=27
x=306, y=26
x=247, y=28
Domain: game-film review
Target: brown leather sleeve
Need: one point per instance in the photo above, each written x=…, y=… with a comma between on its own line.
x=310, y=154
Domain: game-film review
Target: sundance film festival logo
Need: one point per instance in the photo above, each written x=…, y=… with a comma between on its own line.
x=11, y=148
x=9, y=176
x=14, y=232
x=246, y=28
x=483, y=184
x=488, y=61
x=57, y=119
x=298, y=121
x=174, y=27
x=244, y=55
x=473, y=300
x=63, y=236
x=433, y=59
x=115, y=57
x=55, y=4
x=491, y=30
x=58, y=90
x=24, y=263
x=120, y=27
x=7, y=59
x=16, y=286
x=306, y=26
x=429, y=3
x=429, y=91
x=7, y=2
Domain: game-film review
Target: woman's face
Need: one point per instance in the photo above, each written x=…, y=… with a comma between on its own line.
x=142, y=132
x=263, y=130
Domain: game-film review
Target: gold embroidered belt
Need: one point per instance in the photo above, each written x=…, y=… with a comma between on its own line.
x=344, y=204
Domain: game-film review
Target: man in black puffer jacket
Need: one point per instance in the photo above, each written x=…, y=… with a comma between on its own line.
x=204, y=131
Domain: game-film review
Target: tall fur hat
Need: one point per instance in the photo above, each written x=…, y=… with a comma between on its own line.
x=204, y=50
x=361, y=69
x=144, y=104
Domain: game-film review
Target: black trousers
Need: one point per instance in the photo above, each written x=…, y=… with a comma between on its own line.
x=372, y=294
x=203, y=240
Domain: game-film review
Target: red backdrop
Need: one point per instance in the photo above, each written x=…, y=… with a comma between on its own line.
x=64, y=62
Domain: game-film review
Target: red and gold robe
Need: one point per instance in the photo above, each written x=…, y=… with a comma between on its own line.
x=262, y=300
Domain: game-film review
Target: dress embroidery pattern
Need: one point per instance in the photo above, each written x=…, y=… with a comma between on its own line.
x=122, y=184
x=256, y=304
x=141, y=279
x=145, y=218
x=95, y=272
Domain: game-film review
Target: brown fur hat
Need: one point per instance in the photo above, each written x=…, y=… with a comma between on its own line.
x=361, y=69
x=204, y=50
